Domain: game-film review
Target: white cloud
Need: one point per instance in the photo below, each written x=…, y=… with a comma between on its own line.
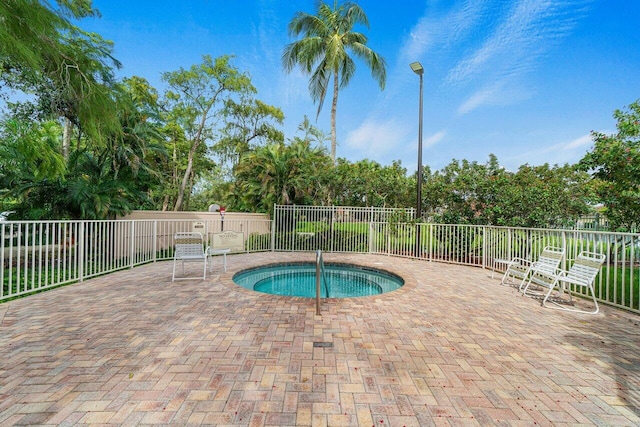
x=562, y=152
x=294, y=87
x=434, y=30
x=499, y=44
x=578, y=142
x=500, y=93
x=481, y=97
x=531, y=28
x=434, y=139
x=375, y=139
x=573, y=145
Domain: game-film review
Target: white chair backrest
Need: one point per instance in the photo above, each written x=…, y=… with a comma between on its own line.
x=586, y=267
x=550, y=259
x=188, y=245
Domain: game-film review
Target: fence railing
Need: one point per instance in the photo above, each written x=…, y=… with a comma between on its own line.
x=38, y=255
x=41, y=255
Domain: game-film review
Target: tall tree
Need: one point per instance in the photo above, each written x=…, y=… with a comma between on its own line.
x=69, y=72
x=615, y=164
x=312, y=133
x=280, y=174
x=367, y=183
x=194, y=98
x=534, y=196
x=97, y=181
x=31, y=32
x=249, y=123
x=323, y=52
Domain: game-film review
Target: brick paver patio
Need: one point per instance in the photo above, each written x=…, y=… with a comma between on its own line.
x=452, y=347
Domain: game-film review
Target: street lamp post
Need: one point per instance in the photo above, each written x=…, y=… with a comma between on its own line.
x=419, y=70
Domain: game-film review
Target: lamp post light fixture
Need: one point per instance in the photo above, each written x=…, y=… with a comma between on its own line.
x=417, y=68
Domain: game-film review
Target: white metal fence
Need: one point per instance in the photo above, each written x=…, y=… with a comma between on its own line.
x=41, y=255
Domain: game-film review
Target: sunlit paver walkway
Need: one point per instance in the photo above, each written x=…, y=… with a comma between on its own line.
x=451, y=348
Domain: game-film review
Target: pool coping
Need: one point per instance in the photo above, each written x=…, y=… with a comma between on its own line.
x=371, y=261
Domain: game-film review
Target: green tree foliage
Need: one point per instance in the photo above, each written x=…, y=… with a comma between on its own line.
x=213, y=186
x=311, y=133
x=29, y=157
x=249, y=123
x=367, y=183
x=96, y=182
x=31, y=31
x=545, y=196
x=323, y=52
x=279, y=174
x=534, y=196
x=69, y=72
x=194, y=99
x=29, y=152
x=615, y=164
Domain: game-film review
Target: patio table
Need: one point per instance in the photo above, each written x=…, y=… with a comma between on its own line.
x=222, y=252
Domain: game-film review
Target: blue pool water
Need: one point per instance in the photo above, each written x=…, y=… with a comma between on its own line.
x=340, y=280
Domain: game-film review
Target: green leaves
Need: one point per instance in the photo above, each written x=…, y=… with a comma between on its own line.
x=279, y=173
x=68, y=71
x=615, y=164
x=323, y=52
x=367, y=183
x=194, y=101
x=534, y=196
x=29, y=152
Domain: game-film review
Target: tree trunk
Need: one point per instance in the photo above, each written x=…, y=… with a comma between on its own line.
x=185, y=177
x=66, y=138
x=192, y=154
x=334, y=107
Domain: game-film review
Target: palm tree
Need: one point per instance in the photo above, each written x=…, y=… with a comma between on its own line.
x=279, y=174
x=323, y=52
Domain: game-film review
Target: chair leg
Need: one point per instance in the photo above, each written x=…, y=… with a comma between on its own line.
x=595, y=302
x=524, y=290
x=546, y=297
x=524, y=280
x=504, y=276
x=557, y=306
x=173, y=275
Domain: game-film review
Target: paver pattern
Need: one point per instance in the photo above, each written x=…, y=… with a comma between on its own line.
x=451, y=348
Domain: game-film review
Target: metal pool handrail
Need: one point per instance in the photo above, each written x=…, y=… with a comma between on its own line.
x=320, y=272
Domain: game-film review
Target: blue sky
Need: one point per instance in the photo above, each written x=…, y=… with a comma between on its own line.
x=526, y=80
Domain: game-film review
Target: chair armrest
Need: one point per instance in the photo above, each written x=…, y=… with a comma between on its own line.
x=518, y=260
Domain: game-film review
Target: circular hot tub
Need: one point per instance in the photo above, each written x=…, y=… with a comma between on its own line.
x=336, y=280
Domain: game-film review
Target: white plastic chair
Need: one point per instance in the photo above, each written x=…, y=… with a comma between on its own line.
x=522, y=269
x=189, y=247
x=582, y=273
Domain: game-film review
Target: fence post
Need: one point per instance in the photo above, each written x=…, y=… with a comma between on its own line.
x=332, y=228
x=132, y=244
x=431, y=245
x=371, y=236
x=564, y=246
x=81, y=255
x=484, y=247
x=273, y=228
x=246, y=231
x=155, y=240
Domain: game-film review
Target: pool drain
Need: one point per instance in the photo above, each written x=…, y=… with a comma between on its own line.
x=322, y=344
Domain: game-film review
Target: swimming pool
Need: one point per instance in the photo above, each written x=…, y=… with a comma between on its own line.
x=299, y=279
